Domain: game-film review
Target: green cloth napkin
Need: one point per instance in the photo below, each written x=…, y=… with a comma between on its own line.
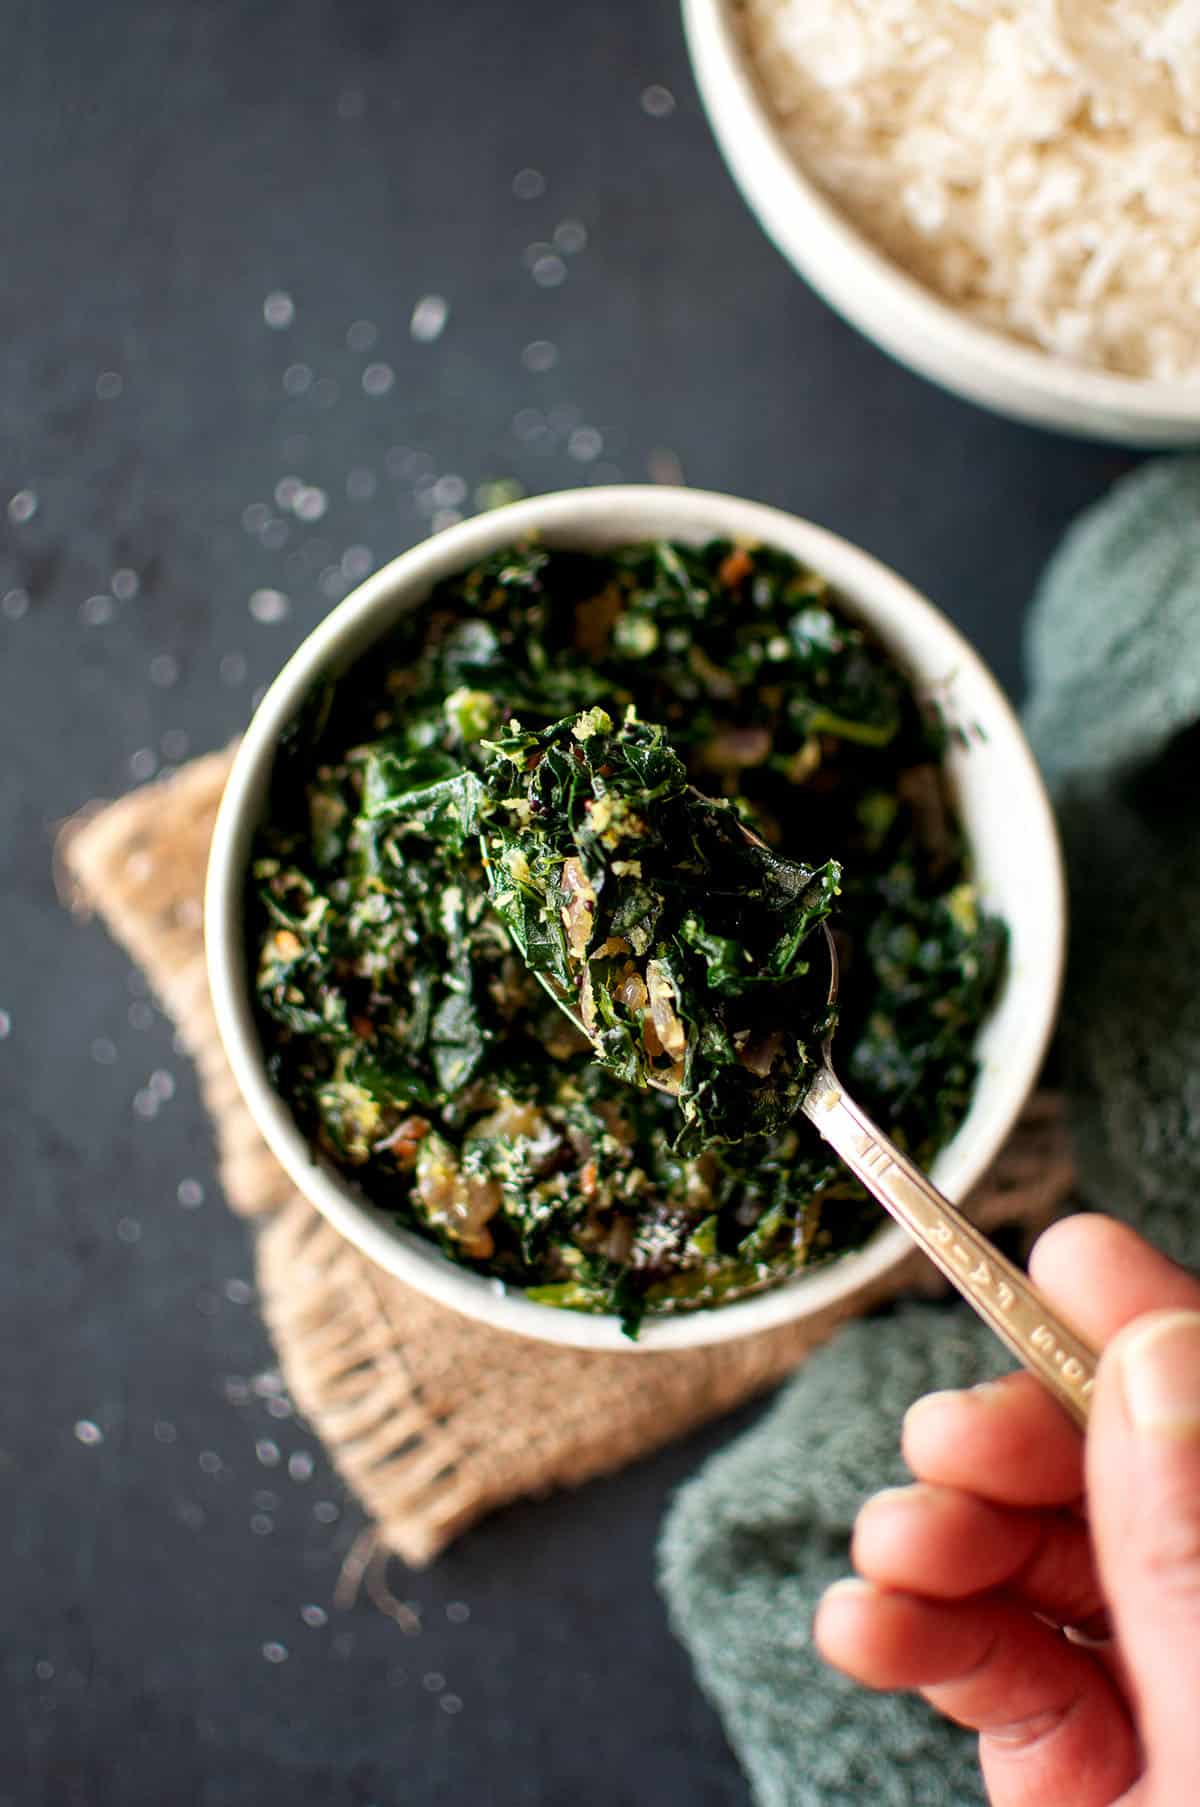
x=748, y=1546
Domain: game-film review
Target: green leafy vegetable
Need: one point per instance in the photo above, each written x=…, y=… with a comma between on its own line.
x=405, y=1028
x=675, y=937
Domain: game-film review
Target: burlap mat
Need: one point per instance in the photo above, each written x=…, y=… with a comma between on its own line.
x=432, y=1419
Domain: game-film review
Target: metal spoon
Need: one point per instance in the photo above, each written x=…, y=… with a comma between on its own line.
x=1002, y=1295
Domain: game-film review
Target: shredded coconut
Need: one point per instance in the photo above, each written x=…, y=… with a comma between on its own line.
x=1034, y=162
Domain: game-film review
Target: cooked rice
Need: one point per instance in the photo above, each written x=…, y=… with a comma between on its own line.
x=1034, y=162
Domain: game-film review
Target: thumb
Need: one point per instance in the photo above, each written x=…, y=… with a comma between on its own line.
x=1143, y=1469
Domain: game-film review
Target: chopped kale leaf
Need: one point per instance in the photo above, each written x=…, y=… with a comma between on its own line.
x=678, y=939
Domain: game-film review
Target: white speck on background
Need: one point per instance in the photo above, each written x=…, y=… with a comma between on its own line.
x=657, y=101
x=267, y=1452
x=549, y=270
x=310, y=504
x=97, y=611
x=44, y=1671
x=443, y=518
x=144, y=763
x=449, y=491
x=377, y=379
x=585, y=444
x=262, y=1524
x=255, y=516
x=6, y=1026
x=104, y=1052
x=429, y=318
x=540, y=355
x=296, y=379
x=286, y=491
x=210, y=1462
x=265, y=1500
x=527, y=423
x=164, y=1431
x=89, y=1432
x=458, y=1612
x=300, y=1465
x=450, y=1703
x=356, y=562
x=571, y=236
x=433, y=1682
x=190, y=1514
x=14, y=604
x=268, y=1383
x=124, y=584
x=190, y=1194
x=361, y=335
x=164, y=670
x=237, y=1392
x=326, y=1512
x=140, y=1015
x=275, y=1653
x=233, y=669
x=269, y=606
x=274, y=535
x=332, y=582
x=22, y=507
x=175, y=745
x=351, y=103
x=361, y=485
x=129, y=1230
x=109, y=385
x=279, y=310
x=238, y=1292
x=279, y=1408
x=316, y=1616
x=529, y=184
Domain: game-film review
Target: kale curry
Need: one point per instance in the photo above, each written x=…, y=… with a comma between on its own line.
x=412, y=876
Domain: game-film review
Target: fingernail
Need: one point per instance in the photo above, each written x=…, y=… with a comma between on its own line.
x=1160, y=1374
x=927, y=1401
x=914, y=1494
x=850, y=1586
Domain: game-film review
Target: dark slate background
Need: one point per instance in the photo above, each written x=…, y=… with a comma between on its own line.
x=166, y=167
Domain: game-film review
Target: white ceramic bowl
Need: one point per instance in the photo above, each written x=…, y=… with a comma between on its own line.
x=1004, y=807
x=907, y=320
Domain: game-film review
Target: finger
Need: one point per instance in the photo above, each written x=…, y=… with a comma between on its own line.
x=1102, y=1275
x=1052, y=1727
x=947, y=1545
x=1005, y=1440
x=1144, y=1500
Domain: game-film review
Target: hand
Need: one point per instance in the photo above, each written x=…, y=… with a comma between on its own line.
x=1012, y=1523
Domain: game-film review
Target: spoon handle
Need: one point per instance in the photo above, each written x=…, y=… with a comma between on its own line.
x=999, y=1292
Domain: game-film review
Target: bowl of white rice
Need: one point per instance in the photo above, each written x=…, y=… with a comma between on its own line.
x=1003, y=194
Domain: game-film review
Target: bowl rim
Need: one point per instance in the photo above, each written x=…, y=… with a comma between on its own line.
x=809, y=230
x=643, y=511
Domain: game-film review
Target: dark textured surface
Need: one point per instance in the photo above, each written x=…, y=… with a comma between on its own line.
x=166, y=167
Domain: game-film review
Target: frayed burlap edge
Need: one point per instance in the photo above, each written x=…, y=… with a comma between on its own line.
x=432, y=1419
